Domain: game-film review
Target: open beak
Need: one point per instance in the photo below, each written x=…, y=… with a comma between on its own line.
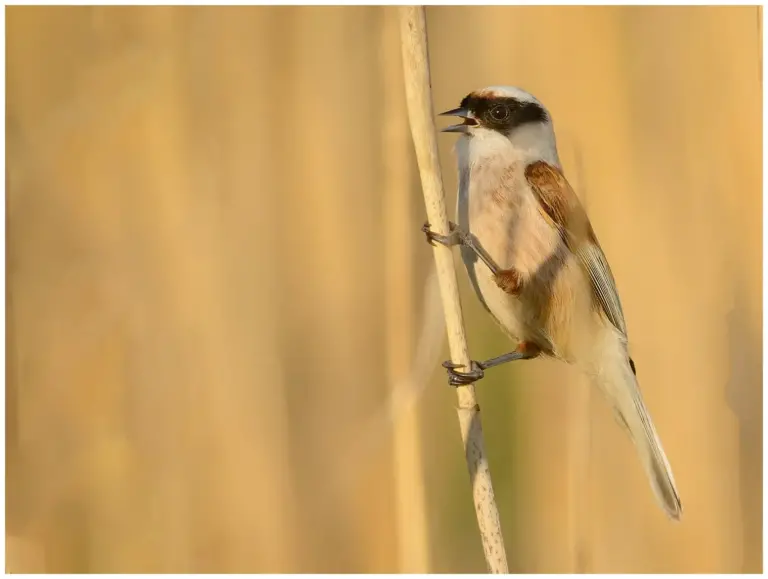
x=463, y=113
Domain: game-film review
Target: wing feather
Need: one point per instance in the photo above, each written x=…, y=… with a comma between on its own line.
x=594, y=261
x=564, y=211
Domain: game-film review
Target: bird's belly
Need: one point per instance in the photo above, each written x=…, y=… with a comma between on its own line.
x=505, y=308
x=519, y=239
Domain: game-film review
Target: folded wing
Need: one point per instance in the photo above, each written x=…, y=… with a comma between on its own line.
x=562, y=208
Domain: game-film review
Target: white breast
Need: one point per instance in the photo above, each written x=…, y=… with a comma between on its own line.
x=496, y=204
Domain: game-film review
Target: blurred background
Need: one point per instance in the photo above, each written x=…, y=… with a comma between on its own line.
x=224, y=338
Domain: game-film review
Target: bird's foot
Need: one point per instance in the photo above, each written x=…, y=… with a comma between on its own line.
x=455, y=237
x=459, y=237
x=524, y=351
x=456, y=378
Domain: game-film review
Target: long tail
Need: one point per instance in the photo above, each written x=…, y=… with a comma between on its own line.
x=616, y=378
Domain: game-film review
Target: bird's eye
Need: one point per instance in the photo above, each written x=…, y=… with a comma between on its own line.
x=499, y=113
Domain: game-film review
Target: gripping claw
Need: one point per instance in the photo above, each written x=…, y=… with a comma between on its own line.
x=456, y=378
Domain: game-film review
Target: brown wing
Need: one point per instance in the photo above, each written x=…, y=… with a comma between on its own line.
x=562, y=208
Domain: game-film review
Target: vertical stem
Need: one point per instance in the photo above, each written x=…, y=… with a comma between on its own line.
x=421, y=115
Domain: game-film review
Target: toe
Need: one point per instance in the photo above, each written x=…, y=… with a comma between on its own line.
x=457, y=378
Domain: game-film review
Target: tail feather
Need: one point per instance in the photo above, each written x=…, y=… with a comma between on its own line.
x=617, y=381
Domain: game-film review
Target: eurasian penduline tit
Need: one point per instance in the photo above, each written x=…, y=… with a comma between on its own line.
x=536, y=265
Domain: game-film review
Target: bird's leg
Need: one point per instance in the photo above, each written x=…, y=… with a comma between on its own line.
x=525, y=351
x=459, y=237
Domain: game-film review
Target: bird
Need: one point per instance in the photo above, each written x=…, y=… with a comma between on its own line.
x=535, y=263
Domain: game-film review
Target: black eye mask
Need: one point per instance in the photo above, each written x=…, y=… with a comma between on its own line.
x=503, y=114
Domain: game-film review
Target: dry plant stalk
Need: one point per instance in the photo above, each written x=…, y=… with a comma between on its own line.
x=421, y=114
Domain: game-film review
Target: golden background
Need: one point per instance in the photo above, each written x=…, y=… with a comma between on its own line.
x=216, y=279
